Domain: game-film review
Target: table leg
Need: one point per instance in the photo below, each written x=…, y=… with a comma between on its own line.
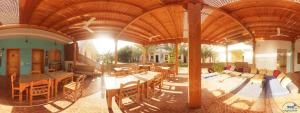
x=109, y=99
x=56, y=86
x=21, y=95
x=52, y=88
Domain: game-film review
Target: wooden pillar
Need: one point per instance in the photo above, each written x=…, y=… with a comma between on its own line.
x=145, y=54
x=226, y=50
x=176, y=59
x=75, y=52
x=116, y=51
x=254, y=51
x=194, y=22
x=293, y=56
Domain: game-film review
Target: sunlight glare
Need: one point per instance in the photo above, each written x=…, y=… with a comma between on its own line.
x=104, y=43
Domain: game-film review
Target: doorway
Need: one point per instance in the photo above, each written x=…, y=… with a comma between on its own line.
x=12, y=63
x=282, y=59
x=156, y=58
x=37, y=60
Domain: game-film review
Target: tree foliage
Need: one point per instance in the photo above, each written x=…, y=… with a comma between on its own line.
x=130, y=54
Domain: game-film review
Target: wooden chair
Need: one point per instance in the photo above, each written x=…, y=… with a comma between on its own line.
x=40, y=88
x=128, y=90
x=74, y=88
x=15, y=88
x=156, y=82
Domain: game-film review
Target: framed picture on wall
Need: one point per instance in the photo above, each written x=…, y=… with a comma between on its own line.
x=298, y=58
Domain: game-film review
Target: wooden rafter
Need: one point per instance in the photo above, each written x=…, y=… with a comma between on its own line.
x=145, y=13
x=230, y=16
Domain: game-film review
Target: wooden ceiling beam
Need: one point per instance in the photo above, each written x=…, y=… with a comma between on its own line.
x=88, y=2
x=173, y=22
x=26, y=9
x=66, y=27
x=230, y=16
x=162, y=25
x=81, y=15
x=145, y=13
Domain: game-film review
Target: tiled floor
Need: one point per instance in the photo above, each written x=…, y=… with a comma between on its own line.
x=172, y=99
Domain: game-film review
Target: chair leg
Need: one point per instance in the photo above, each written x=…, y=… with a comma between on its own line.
x=12, y=94
x=27, y=94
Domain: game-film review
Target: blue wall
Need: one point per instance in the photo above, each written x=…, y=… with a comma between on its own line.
x=25, y=50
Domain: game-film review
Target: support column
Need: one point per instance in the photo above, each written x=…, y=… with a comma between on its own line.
x=145, y=55
x=116, y=51
x=293, y=56
x=226, y=50
x=176, y=59
x=74, y=53
x=254, y=52
x=194, y=21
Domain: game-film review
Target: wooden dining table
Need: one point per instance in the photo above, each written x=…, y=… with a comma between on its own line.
x=112, y=84
x=25, y=81
x=57, y=77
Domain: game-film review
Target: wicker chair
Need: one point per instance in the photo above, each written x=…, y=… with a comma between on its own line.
x=15, y=88
x=128, y=90
x=40, y=88
x=74, y=89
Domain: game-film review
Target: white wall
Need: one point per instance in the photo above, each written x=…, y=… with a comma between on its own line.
x=297, y=50
x=266, y=54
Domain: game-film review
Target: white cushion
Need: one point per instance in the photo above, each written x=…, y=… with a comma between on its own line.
x=232, y=68
x=292, y=88
x=276, y=89
x=204, y=70
x=285, y=81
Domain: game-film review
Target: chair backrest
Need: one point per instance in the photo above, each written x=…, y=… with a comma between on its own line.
x=129, y=89
x=13, y=79
x=40, y=87
x=36, y=72
x=80, y=81
x=158, y=79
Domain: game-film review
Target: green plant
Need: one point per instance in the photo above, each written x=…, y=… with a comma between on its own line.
x=218, y=67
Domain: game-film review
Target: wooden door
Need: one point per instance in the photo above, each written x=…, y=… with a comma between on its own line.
x=37, y=60
x=13, y=62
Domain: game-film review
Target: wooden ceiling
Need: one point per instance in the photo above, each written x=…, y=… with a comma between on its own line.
x=138, y=20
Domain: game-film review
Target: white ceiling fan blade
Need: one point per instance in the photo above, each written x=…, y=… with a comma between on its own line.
x=278, y=31
x=155, y=36
x=90, y=21
x=88, y=29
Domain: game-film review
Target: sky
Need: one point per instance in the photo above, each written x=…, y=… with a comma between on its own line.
x=105, y=44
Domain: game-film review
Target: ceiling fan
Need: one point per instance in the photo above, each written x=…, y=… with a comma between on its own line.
x=279, y=34
x=86, y=25
x=151, y=37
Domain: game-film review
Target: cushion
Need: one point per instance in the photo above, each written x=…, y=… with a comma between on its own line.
x=269, y=72
x=236, y=73
x=253, y=70
x=228, y=67
x=292, y=88
x=240, y=69
x=281, y=76
x=247, y=75
x=210, y=70
x=276, y=89
x=232, y=68
x=262, y=72
x=276, y=73
x=204, y=70
x=285, y=81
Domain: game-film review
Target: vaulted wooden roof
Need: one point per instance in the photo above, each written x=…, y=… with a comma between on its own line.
x=139, y=20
